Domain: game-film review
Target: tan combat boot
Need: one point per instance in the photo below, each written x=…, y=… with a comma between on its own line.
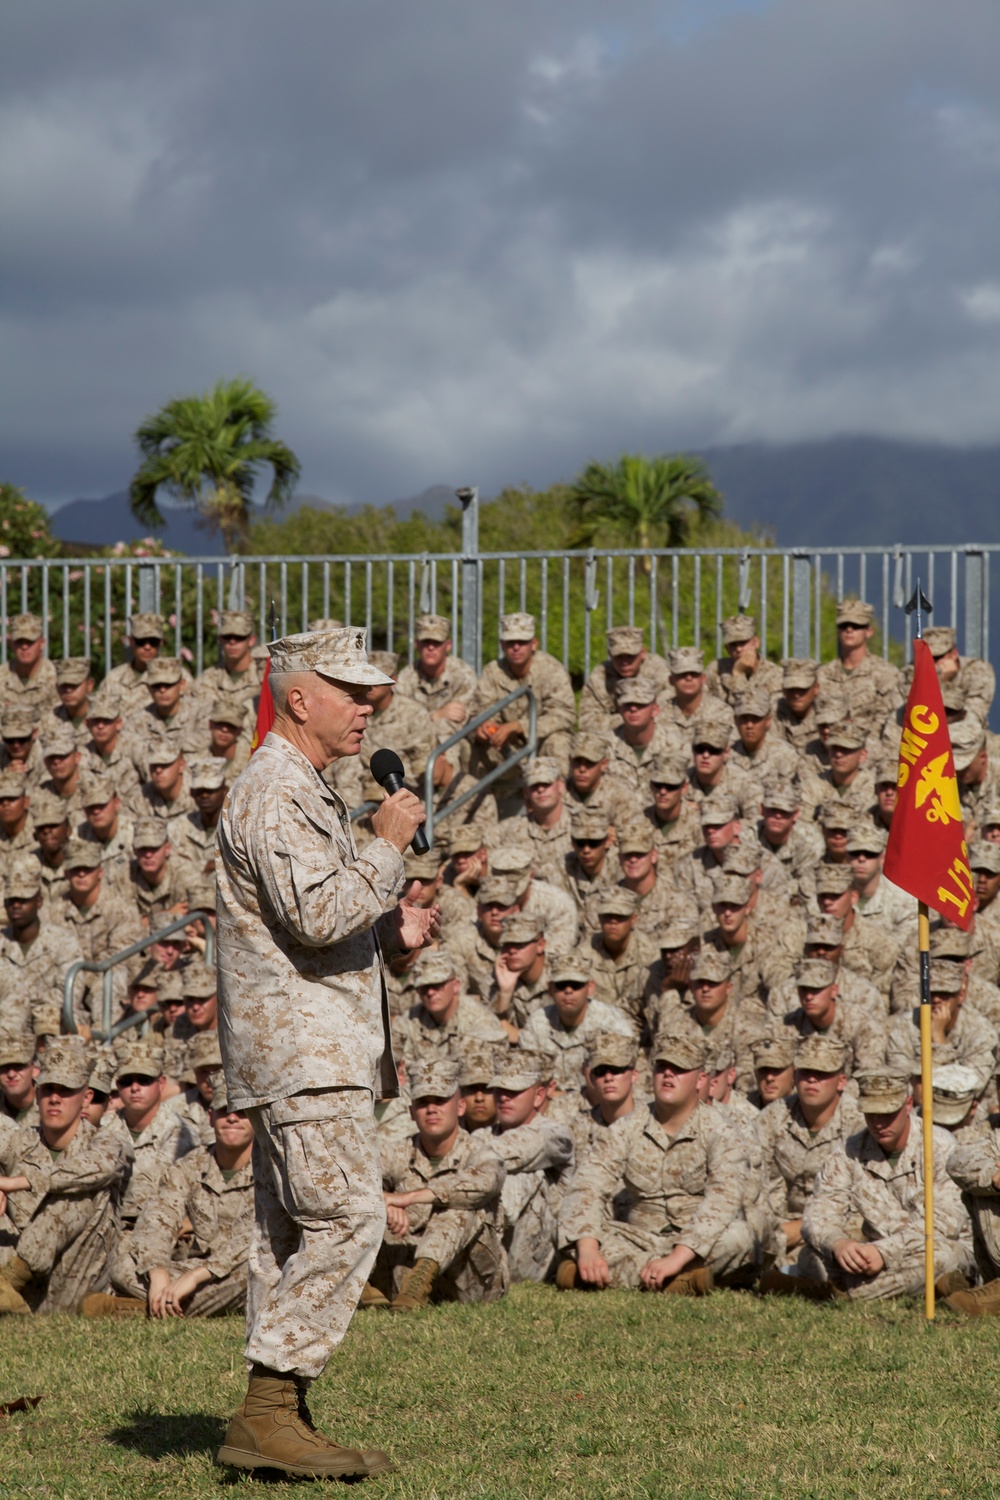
x=566, y=1275
x=951, y=1281
x=267, y=1432
x=784, y=1285
x=376, y=1462
x=696, y=1283
x=416, y=1288
x=980, y=1302
x=106, y=1305
x=14, y=1277
x=372, y=1297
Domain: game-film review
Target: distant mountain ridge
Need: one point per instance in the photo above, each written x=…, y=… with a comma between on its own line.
x=848, y=491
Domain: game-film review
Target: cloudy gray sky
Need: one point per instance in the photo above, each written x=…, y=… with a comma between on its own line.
x=485, y=242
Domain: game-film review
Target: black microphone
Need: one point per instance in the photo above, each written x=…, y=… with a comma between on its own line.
x=387, y=768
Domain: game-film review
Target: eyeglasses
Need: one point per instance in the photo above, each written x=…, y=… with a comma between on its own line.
x=605, y=1070
x=704, y=749
x=590, y=843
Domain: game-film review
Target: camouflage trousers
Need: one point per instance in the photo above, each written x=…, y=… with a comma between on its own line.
x=210, y=1300
x=984, y=1210
x=68, y=1245
x=627, y=1248
x=465, y=1244
x=319, y=1217
x=529, y=1227
x=903, y=1280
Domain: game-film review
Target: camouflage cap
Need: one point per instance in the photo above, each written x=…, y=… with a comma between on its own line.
x=540, y=771
x=424, y=867
x=23, y=879
x=968, y=736
x=773, y=1052
x=97, y=791
x=476, y=1066
x=883, y=1092
x=711, y=729
x=466, y=839
x=866, y=838
x=985, y=855
x=385, y=661
x=952, y=942
x=589, y=823
x=150, y=833
x=25, y=628
x=82, y=854
x=939, y=639
x=202, y=895
x=678, y=933
x=17, y=1046
x=826, y=930
x=953, y=696
x=236, y=622
x=798, y=672
x=147, y=627
x=731, y=890
x=340, y=655
x=199, y=980
x=837, y=815
x=144, y=974
x=616, y=901
x=717, y=810
x=847, y=735
x=220, y=1095
x=104, y=1070
x=752, y=703
x=72, y=670
x=437, y=1079
x=66, y=1062
x=668, y=770
x=432, y=628
x=955, y=1088
x=815, y=973
x=823, y=1054
x=104, y=704
x=683, y=1050
x=588, y=746
x=208, y=773
x=58, y=739
x=636, y=690
x=140, y=1058
x=47, y=808
x=517, y=1073
x=947, y=977
x=518, y=929
x=164, y=670
x=493, y=891
x=575, y=966
x=624, y=640
x=854, y=612
x=743, y=858
x=512, y=861
x=783, y=796
x=721, y=1058
x=736, y=628
x=203, y=1050
x=886, y=769
x=830, y=708
x=319, y=626
x=610, y=1050
x=169, y=987
x=225, y=711
x=711, y=967
x=685, y=659
x=433, y=966
x=636, y=838
x=17, y=722
x=517, y=627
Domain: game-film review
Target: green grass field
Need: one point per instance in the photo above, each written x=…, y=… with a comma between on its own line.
x=544, y=1395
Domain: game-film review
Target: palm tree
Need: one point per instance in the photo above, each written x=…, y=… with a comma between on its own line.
x=643, y=502
x=206, y=450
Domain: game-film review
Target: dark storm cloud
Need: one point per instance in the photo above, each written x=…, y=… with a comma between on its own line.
x=488, y=242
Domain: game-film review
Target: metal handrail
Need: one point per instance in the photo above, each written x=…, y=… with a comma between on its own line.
x=530, y=746
x=105, y=966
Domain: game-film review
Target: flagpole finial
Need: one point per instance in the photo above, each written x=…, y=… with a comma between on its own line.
x=273, y=621
x=919, y=601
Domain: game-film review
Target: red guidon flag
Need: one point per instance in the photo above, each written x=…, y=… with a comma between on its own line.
x=927, y=853
x=265, y=710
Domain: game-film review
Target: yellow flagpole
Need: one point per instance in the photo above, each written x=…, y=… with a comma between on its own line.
x=927, y=1104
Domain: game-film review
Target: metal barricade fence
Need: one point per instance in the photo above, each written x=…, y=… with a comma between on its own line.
x=679, y=597
x=105, y=967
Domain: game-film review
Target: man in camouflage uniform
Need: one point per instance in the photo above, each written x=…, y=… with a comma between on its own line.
x=538, y=900
x=171, y=719
x=609, y=1094
x=51, y=826
x=444, y=1021
x=167, y=792
x=742, y=666
x=875, y=1179
x=627, y=659
x=28, y=678
x=974, y=678
x=592, y=863
x=18, y=1075
x=687, y=681
x=443, y=685
x=35, y=953
x=621, y=957
x=128, y=682
x=974, y=1167
x=546, y=822
x=563, y=1029
x=99, y=914
x=761, y=753
x=159, y=883
x=442, y=1197
x=17, y=833
x=795, y=716
x=108, y=829
x=193, y=836
x=712, y=772
x=713, y=1011
x=796, y=843
x=304, y=1028
x=108, y=753
x=639, y=739
x=74, y=684
x=159, y=1136
x=821, y=1009
x=537, y=1153
x=848, y=781
x=520, y=974
x=657, y=899
x=873, y=686
x=958, y=1035
x=61, y=1179
x=672, y=816
x=978, y=771
x=591, y=787
x=238, y=678
x=686, y=1174
x=477, y=945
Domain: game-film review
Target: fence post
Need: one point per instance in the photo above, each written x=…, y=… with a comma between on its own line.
x=975, y=598
x=801, y=582
x=471, y=602
x=149, y=604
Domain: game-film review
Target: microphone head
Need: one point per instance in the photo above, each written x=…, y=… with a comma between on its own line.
x=386, y=763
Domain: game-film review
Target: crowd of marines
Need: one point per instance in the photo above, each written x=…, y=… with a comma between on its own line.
x=667, y=1039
